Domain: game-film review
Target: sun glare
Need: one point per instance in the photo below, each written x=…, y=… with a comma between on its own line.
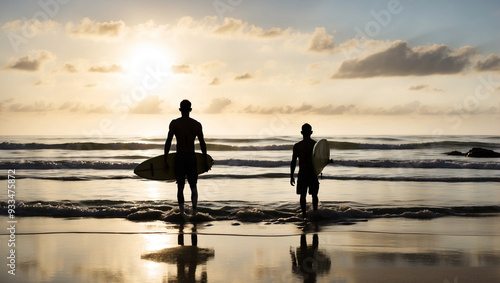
x=147, y=59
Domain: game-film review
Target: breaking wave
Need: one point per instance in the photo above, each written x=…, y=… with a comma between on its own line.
x=233, y=210
x=102, y=165
x=243, y=145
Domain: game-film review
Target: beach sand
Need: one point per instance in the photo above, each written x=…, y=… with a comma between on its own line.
x=448, y=249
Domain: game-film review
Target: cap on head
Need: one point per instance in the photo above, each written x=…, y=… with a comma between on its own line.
x=185, y=105
x=306, y=129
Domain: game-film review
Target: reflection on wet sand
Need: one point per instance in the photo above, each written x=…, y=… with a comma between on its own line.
x=308, y=261
x=186, y=258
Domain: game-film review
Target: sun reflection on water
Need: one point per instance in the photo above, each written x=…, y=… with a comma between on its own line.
x=153, y=269
x=153, y=191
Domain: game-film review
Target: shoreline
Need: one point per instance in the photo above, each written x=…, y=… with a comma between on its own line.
x=380, y=250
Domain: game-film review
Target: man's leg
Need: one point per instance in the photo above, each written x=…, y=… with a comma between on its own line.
x=315, y=201
x=194, y=197
x=192, y=175
x=180, y=176
x=313, y=191
x=180, y=196
x=303, y=204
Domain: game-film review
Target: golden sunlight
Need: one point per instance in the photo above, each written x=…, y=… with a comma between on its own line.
x=153, y=191
x=146, y=59
x=154, y=243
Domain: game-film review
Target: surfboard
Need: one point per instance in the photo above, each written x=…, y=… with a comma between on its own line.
x=320, y=156
x=154, y=168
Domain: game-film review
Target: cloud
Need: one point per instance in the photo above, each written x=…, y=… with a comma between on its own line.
x=30, y=63
x=410, y=108
x=72, y=106
x=90, y=28
x=106, y=69
x=305, y=108
x=208, y=66
x=181, y=69
x=30, y=27
x=334, y=110
x=418, y=87
x=10, y=105
x=459, y=110
x=217, y=105
x=149, y=105
x=245, y=76
x=37, y=106
x=230, y=27
x=69, y=68
x=491, y=63
x=215, y=81
x=401, y=60
x=321, y=41
x=270, y=33
x=5, y=102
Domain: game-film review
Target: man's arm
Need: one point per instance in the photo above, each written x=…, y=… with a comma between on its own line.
x=168, y=143
x=203, y=146
x=293, y=164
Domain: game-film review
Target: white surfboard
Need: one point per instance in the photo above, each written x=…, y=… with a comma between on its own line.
x=320, y=156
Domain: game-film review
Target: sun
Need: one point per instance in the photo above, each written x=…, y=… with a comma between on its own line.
x=146, y=59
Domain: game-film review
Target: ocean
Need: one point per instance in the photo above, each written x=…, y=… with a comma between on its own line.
x=371, y=177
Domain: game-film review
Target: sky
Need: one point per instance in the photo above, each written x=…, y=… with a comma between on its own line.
x=254, y=68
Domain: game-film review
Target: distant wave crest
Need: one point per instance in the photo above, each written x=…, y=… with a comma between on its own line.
x=132, y=146
x=244, y=145
x=104, y=165
x=63, y=164
x=435, y=163
x=80, y=146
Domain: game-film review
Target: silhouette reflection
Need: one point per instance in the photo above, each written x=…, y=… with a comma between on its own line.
x=186, y=258
x=309, y=261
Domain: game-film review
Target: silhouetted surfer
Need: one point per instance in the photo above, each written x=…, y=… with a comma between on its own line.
x=306, y=179
x=186, y=130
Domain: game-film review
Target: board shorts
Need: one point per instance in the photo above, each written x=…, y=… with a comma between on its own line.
x=307, y=179
x=186, y=166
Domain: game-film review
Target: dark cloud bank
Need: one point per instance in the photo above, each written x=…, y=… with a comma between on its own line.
x=401, y=60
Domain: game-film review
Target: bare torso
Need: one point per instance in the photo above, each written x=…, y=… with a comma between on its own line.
x=303, y=150
x=185, y=130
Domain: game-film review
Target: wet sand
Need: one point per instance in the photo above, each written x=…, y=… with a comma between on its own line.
x=449, y=249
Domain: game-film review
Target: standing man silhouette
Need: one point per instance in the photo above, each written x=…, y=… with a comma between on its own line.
x=306, y=179
x=185, y=130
